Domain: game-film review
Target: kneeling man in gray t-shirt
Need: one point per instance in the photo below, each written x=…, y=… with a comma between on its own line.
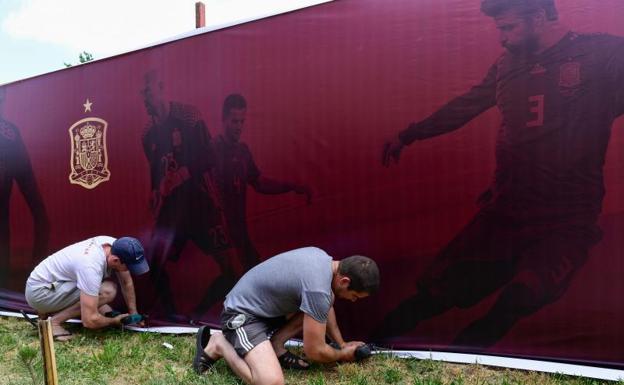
x=274, y=302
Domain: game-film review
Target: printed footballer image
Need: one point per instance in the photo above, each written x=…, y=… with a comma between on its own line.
x=558, y=93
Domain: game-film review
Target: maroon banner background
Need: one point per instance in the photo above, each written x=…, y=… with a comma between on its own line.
x=325, y=87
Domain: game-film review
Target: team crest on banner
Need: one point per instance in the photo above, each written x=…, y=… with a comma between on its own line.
x=570, y=75
x=89, y=160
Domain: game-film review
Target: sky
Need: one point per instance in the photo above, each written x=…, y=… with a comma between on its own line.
x=38, y=36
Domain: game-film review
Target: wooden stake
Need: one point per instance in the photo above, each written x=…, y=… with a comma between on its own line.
x=47, y=350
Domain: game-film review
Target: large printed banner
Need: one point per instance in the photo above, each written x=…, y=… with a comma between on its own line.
x=484, y=175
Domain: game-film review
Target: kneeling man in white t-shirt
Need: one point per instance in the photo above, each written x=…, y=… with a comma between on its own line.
x=69, y=283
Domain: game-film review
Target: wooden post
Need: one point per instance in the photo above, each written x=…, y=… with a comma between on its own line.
x=47, y=350
x=200, y=15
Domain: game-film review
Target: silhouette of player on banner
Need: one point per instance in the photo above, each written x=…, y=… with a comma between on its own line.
x=235, y=170
x=184, y=197
x=559, y=93
x=15, y=166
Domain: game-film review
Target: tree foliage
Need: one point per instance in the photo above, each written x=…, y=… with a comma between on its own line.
x=83, y=57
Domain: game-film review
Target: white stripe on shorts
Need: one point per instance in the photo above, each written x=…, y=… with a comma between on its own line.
x=242, y=336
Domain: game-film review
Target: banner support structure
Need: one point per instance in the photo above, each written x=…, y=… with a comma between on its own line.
x=46, y=340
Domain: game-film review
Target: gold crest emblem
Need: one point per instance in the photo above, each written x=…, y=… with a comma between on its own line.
x=89, y=160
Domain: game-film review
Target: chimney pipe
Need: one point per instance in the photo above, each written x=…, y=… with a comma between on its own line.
x=200, y=15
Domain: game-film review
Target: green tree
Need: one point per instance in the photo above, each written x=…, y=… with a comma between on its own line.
x=84, y=57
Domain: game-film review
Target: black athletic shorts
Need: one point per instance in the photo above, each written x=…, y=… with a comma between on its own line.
x=245, y=331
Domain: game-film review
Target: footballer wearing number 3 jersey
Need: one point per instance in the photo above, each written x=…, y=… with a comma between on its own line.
x=558, y=93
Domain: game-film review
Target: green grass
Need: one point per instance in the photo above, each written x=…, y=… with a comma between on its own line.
x=119, y=357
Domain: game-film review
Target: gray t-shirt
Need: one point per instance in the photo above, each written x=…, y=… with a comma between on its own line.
x=297, y=280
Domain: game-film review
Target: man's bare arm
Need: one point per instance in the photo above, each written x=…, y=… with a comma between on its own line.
x=315, y=347
x=91, y=317
x=333, y=331
x=127, y=290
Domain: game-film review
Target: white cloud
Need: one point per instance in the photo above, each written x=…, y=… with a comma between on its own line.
x=113, y=26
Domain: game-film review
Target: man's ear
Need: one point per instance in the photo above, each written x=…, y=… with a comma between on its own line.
x=345, y=281
x=115, y=261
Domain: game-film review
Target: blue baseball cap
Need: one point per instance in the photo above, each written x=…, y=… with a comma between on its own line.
x=131, y=253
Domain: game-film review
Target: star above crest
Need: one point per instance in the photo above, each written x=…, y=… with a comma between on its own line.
x=87, y=105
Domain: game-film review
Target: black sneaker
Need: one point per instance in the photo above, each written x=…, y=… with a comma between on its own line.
x=202, y=362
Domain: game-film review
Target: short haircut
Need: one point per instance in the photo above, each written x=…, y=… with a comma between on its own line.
x=233, y=101
x=494, y=8
x=362, y=271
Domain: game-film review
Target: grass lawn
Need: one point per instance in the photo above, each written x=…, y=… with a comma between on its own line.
x=128, y=358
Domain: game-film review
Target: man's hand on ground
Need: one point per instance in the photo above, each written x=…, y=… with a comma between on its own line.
x=134, y=319
x=348, y=350
x=117, y=319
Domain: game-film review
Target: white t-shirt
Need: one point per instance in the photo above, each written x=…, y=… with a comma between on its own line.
x=83, y=263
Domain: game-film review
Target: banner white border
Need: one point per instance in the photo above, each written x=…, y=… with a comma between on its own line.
x=460, y=358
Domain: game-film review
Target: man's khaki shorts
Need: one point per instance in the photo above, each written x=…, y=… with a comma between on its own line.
x=52, y=297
